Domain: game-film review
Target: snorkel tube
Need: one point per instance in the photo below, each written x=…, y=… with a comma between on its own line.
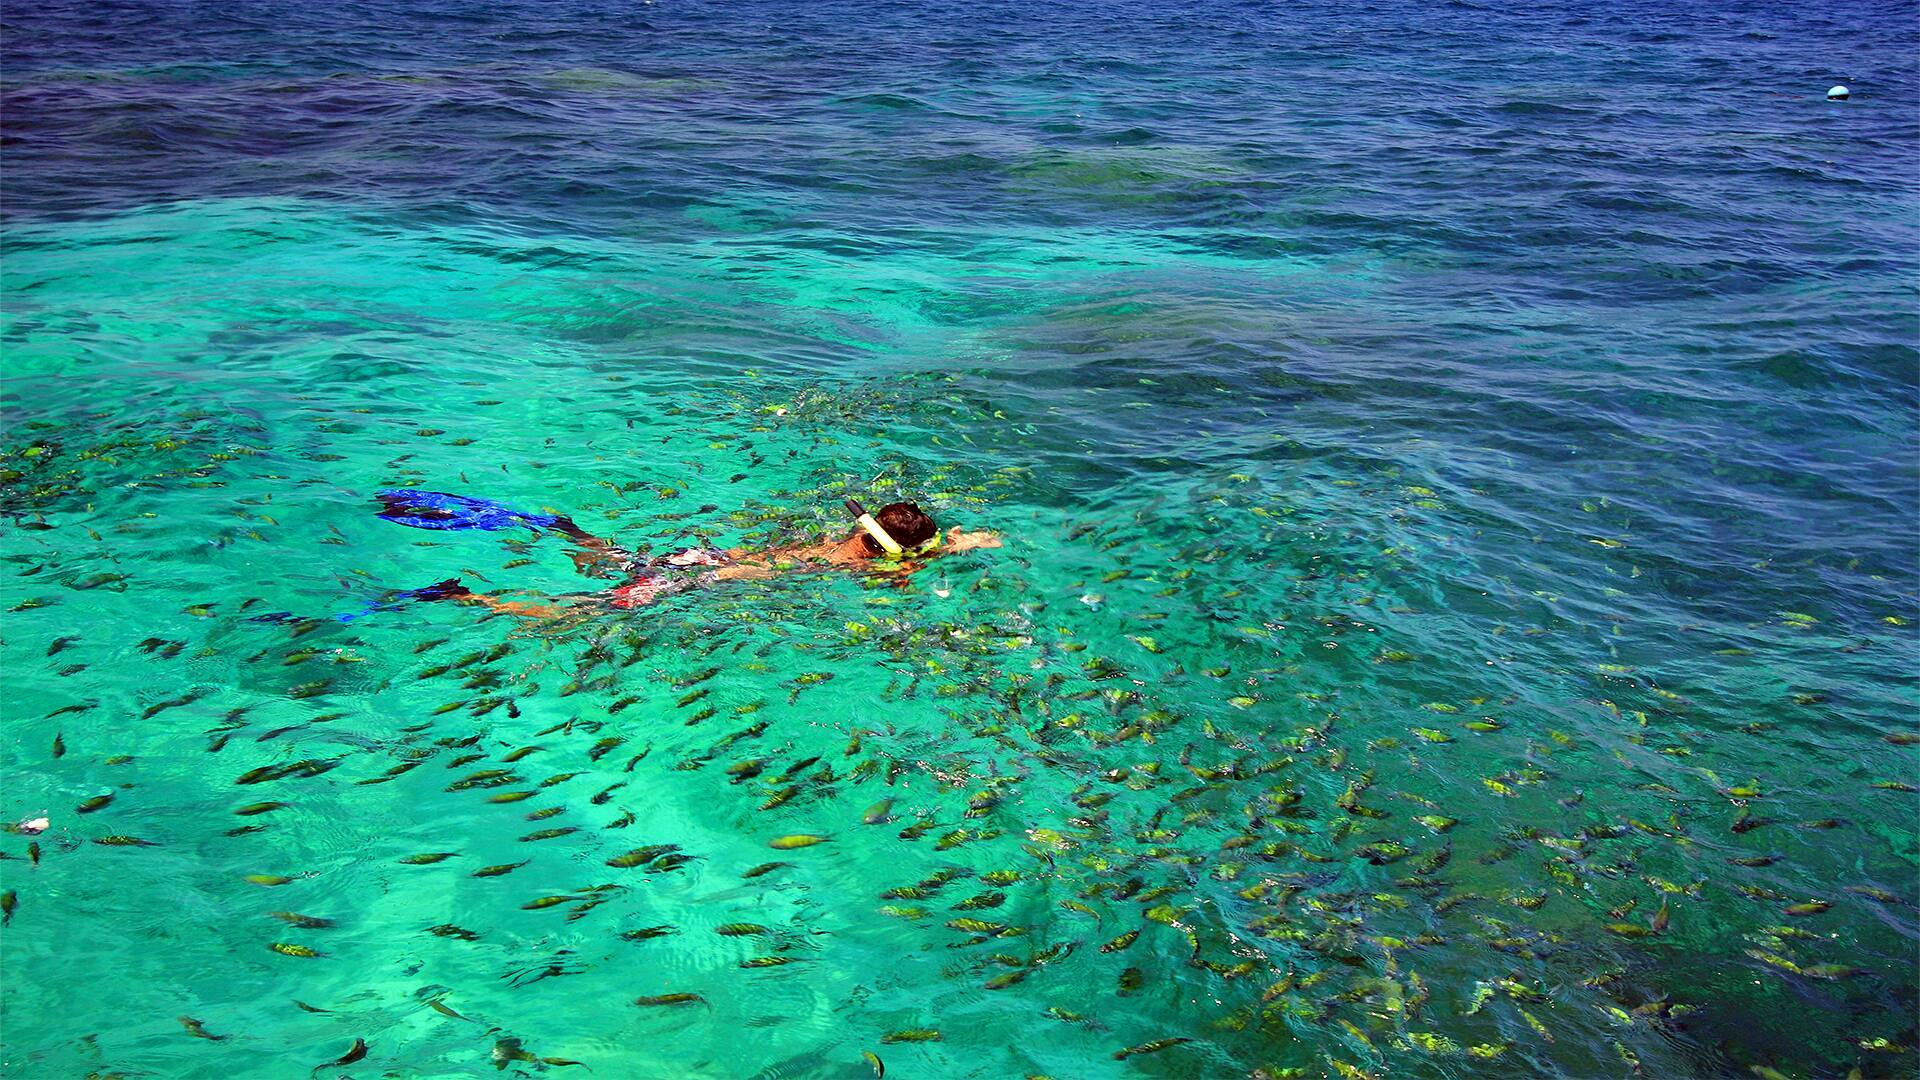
x=873, y=529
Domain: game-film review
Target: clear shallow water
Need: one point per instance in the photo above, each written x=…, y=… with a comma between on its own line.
x=1343, y=378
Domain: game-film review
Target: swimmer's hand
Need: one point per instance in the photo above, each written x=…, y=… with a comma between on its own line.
x=959, y=540
x=450, y=589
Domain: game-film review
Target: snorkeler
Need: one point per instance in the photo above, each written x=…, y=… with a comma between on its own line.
x=897, y=540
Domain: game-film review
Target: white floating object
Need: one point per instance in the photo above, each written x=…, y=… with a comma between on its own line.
x=1838, y=93
x=35, y=826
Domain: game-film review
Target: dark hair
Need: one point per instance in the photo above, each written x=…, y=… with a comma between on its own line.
x=906, y=523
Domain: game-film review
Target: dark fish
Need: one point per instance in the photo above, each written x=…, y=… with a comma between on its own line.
x=96, y=803
x=1001, y=982
x=197, y=1031
x=696, y=678
x=796, y=768
x=548, y=834
x=503, y=868
x=508, y=1051
x=438, y=1006
x=770, y=961
x=1149, y=1047
x=670, y=999
x=358, y=1051
x=982, y=927
x=59, y=746
x=305, y=922
x=9, y=903
x=261, y=774
x=1832, y=971
x=641, y=855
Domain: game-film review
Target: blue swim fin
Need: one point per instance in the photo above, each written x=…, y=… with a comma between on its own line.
x=439, y=510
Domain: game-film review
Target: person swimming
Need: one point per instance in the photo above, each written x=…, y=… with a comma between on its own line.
x=911, y=531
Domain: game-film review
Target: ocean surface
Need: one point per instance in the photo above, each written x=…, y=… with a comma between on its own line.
x=1458, y=465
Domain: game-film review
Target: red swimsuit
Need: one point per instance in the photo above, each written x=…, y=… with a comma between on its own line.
x=655, y=580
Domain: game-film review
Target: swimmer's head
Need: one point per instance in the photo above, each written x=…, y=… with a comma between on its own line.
x=906, y=523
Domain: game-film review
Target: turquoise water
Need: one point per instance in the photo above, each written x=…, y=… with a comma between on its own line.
x=1457, y=469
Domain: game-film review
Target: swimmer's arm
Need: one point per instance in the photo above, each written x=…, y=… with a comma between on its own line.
x=515, y=607
x=599, y=559
x=745, y=564
x=565, y=526
x=959, y=540
x=596, y=556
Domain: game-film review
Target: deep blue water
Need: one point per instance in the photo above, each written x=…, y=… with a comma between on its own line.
x=1554, y=365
